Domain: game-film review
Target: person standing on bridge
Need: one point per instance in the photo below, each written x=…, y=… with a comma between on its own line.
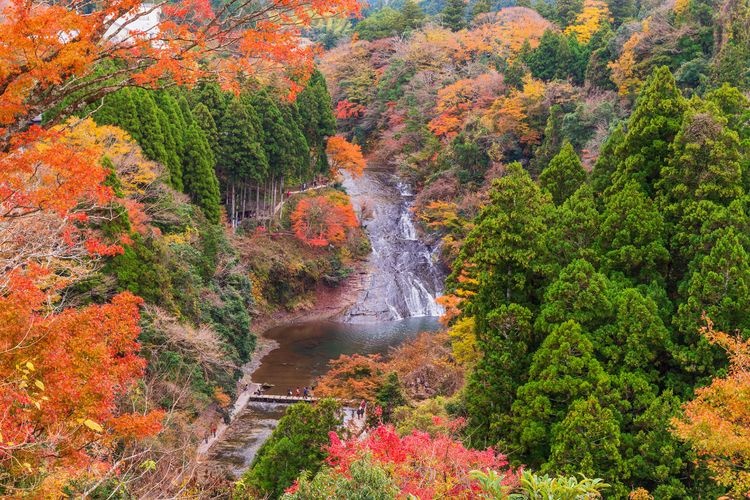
x=298, y=393
x=305, y=393
x=289, y=392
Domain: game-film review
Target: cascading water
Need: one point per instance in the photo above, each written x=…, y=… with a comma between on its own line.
x=404, y=279
x=403, y=283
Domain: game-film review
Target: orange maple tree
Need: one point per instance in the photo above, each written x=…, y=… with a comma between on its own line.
x=67, y=54
x=62, y=374
x=323, y=220
x=352, y=377
x=717, y=421
x=465, y=97
x=63, y=370
x=343, y=155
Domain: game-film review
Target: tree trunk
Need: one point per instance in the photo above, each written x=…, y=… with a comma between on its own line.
x=232, y=213
x=257, y=199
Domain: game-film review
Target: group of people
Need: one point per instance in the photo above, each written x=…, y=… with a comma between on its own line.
x=305, y=392
x=209, y=433
x=361, y=410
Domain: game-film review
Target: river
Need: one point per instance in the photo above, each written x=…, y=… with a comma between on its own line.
x=396, y=303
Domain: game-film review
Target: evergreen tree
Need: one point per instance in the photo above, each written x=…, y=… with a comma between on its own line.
x=652, y=457
x=699, y=227
x=552, y=142
x=205, y=121
x=118, y=109
x=470, y=159
x=635, y=339
x=574, y=229
x=506, y=343
x=316, y=119
x=150, y=135
x=171, y=151
x=453, y=15
x=558, y=57
x=705, y=163
x=720, y=287
x=652, y=127
x=211, y=96
x=621, y=10
x=298, y=163
x=199, y=177
x=606, y=164
x=384, y=23
x=598, y=74
x=167, y=102
x=566, y=11
x=480, y=7
x=412, y=15
x=503, y=252
x=734, y=106
x=297, y=444
x=632, y=235
x=278, y=143
x=390, y=395
x=564, y=174
x=587, y=442
x=515, y=72
x=186, y=112
x=579, y=294
x=241, y=156
x=563, y=370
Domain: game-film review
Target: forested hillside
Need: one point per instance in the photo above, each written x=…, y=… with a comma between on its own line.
x=585, y=165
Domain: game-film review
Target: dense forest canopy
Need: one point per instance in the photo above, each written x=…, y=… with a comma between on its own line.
x=585, y=166
x=170, y=172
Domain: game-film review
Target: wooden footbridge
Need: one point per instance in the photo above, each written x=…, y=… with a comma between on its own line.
x=279, y=398
x=290, y=400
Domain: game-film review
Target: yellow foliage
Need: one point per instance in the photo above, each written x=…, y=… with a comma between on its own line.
x=589, y=20
x=134, y=171
x=464, y=341
x=221, y=397
x=623, y=69
x=510, y=114
x=441, y=214
x=717, y=422
x=680, y=6
x=640, y=494
x=189, y=236
x=532, y=89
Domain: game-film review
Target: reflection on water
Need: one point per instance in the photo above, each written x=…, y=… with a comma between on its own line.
x=305, y=349
x=303, y=355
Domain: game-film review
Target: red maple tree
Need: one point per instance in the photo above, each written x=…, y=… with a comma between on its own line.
x=422, y=465
x=323, y=220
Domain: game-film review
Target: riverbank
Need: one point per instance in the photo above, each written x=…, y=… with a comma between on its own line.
x=329, y=303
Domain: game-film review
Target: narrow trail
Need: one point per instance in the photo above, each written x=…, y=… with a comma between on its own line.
x=288, y=194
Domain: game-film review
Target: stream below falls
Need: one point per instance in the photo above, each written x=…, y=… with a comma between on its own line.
x=396, y=304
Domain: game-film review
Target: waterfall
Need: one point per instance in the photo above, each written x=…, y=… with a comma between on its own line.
x=404, y=278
